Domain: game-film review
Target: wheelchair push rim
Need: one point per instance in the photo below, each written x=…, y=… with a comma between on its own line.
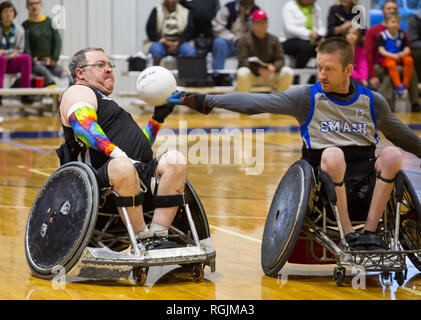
x=61, y=220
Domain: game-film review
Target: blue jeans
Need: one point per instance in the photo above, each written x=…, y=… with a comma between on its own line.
x=221, y=50
x=158, y=50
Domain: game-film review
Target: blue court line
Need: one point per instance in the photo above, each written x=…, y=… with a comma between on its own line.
x=24, y=146
x=267, y=129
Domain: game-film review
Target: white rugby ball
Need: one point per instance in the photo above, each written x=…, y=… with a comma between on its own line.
x=155, y=84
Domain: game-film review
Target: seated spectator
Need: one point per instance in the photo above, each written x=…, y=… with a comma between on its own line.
x=203, y=12
x=304, y=30
x=378, y=78
x=354, y=38
x=230, y=24
x=170, y=28
x=264, y=46
x=340, y=17
x=394, y=49
x=43, y=44
x=413, y=28
x=12, y=40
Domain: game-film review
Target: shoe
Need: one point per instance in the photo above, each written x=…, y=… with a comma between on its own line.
x=352, y=239
x=400, y=90
x=372, y=241
x=155, y=243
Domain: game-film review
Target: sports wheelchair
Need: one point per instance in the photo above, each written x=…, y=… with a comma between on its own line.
x=303, y=221
x=69, y=229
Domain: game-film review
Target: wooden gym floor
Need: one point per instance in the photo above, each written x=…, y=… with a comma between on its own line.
x=236, y=204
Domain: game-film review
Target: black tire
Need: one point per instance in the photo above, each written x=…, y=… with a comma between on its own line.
x=410, y=229
x=290, y=205
x=56, y=237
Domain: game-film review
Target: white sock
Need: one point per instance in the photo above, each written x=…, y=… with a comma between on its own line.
x=146, y=233
x=158, y=230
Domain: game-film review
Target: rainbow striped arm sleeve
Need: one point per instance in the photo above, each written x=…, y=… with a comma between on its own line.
x=83, y=119
x=151, y=130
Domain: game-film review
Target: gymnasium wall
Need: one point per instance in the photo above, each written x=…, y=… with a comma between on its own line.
x=119, y=26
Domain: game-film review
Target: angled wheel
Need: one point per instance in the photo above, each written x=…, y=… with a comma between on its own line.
x=290, y=205
x=61, y=220
x=410, y=229
x=140, y=275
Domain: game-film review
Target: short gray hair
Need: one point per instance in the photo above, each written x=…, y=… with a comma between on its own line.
x=79, y=59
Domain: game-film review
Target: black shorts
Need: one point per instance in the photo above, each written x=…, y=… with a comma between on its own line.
x=360, y=178
x=146, y=172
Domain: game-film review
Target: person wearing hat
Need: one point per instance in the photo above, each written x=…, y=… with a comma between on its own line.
x=261, y=58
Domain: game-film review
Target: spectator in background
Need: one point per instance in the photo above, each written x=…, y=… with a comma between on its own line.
x=170, y=28
x=43, y=44
x=394, y=49
x=304, y=29
x=12, y=41
x=230, y=24
x=354, y=38
x=413, y=28
x=340, y=17
x=264, y=46
x=203, y=12
x=378, y=78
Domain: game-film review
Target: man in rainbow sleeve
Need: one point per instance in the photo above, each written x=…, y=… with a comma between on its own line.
x=119, y=150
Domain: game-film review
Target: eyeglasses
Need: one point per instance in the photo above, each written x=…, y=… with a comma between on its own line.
x=100, y=65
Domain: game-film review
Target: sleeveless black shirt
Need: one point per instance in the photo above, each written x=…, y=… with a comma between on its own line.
x=120, y=127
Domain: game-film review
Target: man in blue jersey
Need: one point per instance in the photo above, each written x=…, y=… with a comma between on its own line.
x=339, y=120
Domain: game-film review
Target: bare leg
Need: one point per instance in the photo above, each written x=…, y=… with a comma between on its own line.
x=172, y=169
x=333, y=163
x=125, y=181
x=389, y=163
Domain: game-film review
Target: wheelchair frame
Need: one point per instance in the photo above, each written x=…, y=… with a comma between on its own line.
x=318, y=227
x=106, y=253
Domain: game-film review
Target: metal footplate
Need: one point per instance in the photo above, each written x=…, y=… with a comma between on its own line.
x=384, y=260
x=106, y=263
x=150, y=258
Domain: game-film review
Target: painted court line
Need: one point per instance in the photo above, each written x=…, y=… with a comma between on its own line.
x=236, y=234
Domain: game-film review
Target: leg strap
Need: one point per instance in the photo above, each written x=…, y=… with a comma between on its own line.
x=378, y=176
x=169, y=201
x=132, y=201
x=338, y=184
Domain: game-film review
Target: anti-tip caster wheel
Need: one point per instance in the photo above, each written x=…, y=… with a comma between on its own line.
x=140, y=275
x=339, y=275
x=198, y=272
x=399, y=277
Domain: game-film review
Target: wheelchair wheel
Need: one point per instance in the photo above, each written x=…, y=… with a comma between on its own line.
x=410, y=229
x=61, y=220
x=198, y=214
x=290, y=205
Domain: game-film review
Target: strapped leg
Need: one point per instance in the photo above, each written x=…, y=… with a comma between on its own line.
x=378, y=176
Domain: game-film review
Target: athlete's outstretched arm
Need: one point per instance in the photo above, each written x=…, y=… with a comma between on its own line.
x=294, y=102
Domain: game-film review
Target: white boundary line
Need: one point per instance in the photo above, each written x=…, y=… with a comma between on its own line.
x=236, y=234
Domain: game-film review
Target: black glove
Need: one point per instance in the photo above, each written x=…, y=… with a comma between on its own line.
x=161, y=112
x=194, y=101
